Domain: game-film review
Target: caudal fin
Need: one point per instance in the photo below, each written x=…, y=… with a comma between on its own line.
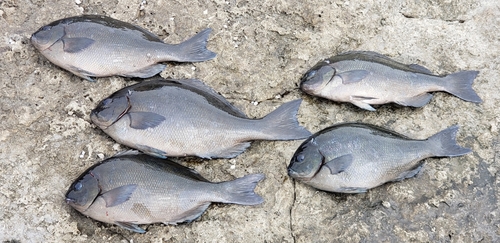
x=195, y=48
x=460, y=85
x=240, y=191
x=445, y=144
x=282, y=123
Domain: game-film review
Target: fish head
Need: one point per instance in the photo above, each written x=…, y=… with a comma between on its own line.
x=110, y=110
x=46, y=36
x=317, y=78
x=83, y=192
x=306, y=161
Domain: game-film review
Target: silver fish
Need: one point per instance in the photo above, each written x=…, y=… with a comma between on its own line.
x=131, y=189
x=355, y=157
x=366, y=78
x=99, y=46
x=170, y=118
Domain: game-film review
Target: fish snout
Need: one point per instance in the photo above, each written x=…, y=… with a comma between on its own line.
x=69, y=200
x=46, y=36
x=292, y=173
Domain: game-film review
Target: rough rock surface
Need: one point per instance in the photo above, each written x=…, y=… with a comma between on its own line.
x=47, y=140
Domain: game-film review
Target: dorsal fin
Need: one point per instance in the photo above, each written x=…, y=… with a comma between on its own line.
x=370, y=56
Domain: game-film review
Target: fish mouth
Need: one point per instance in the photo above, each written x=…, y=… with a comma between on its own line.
x=70, y=200
x=298, y=176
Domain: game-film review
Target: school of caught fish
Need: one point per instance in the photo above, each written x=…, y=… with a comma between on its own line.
x=164, y=118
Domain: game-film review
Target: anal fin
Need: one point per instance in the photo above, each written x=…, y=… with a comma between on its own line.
x=229, y=152
x=130, y=226
x=409, y=174
x=146, y=72
x=353, y=189
x=190, y=215
x=82, y=73
x=151, y=151
x=416, y=101
x=362, y=102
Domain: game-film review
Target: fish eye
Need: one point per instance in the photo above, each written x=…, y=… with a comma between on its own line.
x=106, y=102
x=78, y=186
x=46, y=28
x=310, y=74
x=300, y=157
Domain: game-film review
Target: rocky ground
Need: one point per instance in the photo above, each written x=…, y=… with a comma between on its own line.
x=47, y=139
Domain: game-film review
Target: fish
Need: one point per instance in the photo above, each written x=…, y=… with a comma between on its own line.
x=99, y=46
x=355, y=157
x=176, y=118
x=366, y=78
x=131, y=188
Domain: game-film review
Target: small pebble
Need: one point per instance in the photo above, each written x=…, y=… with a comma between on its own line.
x=386, y=204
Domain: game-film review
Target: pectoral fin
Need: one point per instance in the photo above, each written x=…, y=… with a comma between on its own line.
x=416, y=101
x=73, y=45
x=144, y=120
x=339, y=164
x=118, y=195
x=353, y=76
x=130, y=226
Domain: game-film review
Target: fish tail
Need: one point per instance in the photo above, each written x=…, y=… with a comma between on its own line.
x=241, y=190
x=445, y=144
x=282, y=123
x=460, y=85
x=195, y=48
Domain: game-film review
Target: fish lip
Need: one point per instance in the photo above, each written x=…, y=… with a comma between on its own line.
x=70, y=200
x=298, y=176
